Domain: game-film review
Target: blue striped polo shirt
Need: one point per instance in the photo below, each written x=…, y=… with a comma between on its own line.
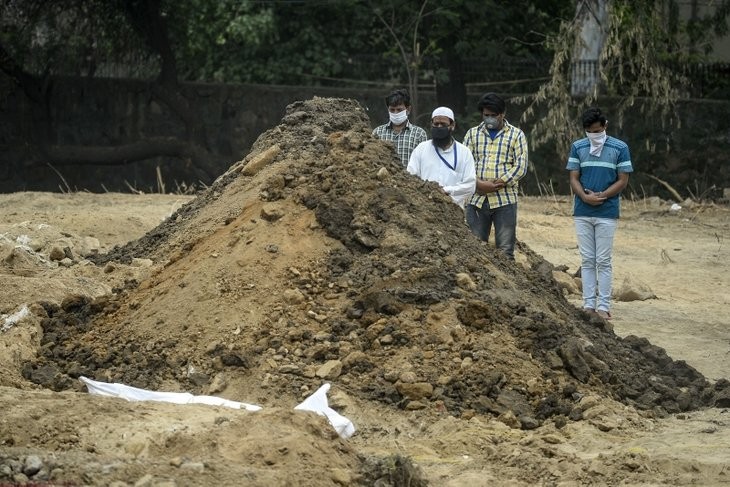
x=597, y=173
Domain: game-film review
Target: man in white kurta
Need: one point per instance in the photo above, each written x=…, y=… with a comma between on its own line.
x=444, y=160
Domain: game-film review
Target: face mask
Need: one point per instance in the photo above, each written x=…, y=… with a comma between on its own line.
x=491, y=122
x=596, y=137
x=597, y=140
x=440, y=133
x=398, y=118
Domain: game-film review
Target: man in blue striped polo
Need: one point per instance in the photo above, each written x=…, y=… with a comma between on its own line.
x=599, y=168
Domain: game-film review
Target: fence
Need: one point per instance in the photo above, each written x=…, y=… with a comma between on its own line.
x=501, y=73
x=701, y=80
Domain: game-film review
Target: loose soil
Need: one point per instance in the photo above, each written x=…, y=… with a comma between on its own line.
x=317, y=259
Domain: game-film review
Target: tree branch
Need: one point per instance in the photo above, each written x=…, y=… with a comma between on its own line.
x=33, y=87
x=67, y=155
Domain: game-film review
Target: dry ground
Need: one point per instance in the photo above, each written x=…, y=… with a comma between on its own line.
x=681, y=257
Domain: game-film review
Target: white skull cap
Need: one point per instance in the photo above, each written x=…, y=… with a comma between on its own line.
x=443, y=111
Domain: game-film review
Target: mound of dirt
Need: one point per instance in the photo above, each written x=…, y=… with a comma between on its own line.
x=317, y=259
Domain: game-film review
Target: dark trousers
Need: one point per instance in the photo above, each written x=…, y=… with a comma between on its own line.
x=504, y=219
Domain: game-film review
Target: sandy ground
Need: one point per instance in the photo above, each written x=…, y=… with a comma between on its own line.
x=317, y=260
x=681, y=257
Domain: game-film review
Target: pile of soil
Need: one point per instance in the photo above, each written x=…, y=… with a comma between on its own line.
x=318, y=259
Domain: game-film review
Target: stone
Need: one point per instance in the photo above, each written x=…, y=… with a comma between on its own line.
x=293, y=296
x=199, y=378
x=138, y=262
x=290, y=369
x=354, y=358
x=509, y=418
x=32, y=465
x=271, y=213
x=330, y=370
x=340, y=476
x=414, y=391
x=572, y=354
x=88, y=246
x=566, y=281
x=633, y=290
x=386, y=339
x=464, y=281
x=56, y=253
x=407, y=377
x=258, y=162
x=528, y=422
x=218, y=384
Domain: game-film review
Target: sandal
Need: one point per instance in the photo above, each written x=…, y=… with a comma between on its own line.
x=604, y=314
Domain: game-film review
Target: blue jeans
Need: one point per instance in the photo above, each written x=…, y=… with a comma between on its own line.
x=595, y=242
x=504, y=218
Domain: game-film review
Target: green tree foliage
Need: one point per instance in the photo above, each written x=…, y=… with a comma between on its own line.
x=445, y=44
x=215, y=39
x=65, y=37
x=287, y=41
x=647, y=43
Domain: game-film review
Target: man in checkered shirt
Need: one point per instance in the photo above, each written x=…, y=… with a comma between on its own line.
x=500, y=153
x=399, y=130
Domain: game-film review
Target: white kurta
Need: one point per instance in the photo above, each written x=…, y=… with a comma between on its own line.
x=457, y=176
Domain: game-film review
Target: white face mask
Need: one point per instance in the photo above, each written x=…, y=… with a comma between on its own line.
x=398, y=118
x=596, y=137
x=597, y=140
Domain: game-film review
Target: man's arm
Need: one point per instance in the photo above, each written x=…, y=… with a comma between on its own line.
x=586, y=195
x=466, y=187
x=617, y=187
x=414, y=163
x=518, y=169
x=483, y=186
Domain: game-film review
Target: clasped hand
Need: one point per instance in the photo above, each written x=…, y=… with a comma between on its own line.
x=593, y=198
x=485, y=186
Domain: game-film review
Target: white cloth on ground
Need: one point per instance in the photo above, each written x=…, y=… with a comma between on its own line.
x=316, y=402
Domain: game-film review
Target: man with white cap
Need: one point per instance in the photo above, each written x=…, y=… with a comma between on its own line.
x=444, y=160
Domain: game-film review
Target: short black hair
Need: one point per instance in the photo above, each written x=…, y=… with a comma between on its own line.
x=396, y=97
x=593, y=115
x=491, y=101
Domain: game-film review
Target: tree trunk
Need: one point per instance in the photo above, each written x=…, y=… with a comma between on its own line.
x=592, y=15
x=33, y=88
x=66, y=155
x=147, y=19
x=452, y=93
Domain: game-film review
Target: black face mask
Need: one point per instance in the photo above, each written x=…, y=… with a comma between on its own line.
x=440, y=134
